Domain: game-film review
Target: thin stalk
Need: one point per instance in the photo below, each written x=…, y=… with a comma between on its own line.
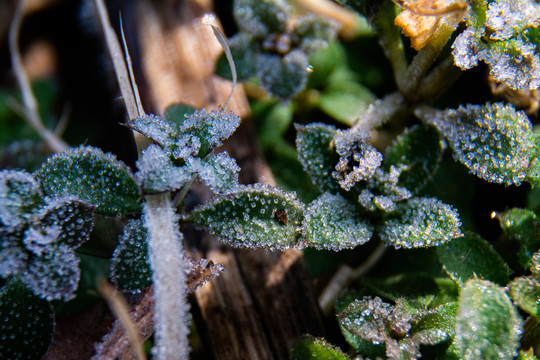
x=439, y=79
x=30, y=111
x=344, y=276
x=380, y=112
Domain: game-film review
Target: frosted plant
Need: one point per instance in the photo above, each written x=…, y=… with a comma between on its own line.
x=503, y=36
x=260, y=18
x=358, y=158
x=219, y=172
x=494, y=141
x=283, y=76
x=19, y=194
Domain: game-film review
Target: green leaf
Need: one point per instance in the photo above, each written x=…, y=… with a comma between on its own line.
x=74, y=218
x=488, y=325
x=493, y=141
x=130, y=265
x=310, y=348
x=273, y=120
x=157, y=173
x=533, y=175
x=417, y=152
x=324, y=62
x=253, y=216
x=526, y=355
x=94, y=177
x=317, y=154
x=259, y=18
x=20, y=196
x=535, y=265
x=470, y=257
x=283, y=77
x=26, y=323
x=345, y=101
x=13, y=258
x=433, y=328
x=521, y=225
x=420, y=222
x=176, y=113
x=312, y=33
x=525, y=292
x=332, y=222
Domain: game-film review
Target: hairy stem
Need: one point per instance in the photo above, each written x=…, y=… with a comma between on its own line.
x=169, y=278
x=380, y=112
x=30, y=111
x=439, y=79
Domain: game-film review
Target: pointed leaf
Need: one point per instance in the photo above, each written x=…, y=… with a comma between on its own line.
x=420, y=222
x=74, y=218
x=493, y=140
x=488, y=325
x=283, y=77
x=433, y=328
x=157, y=173
x=19, y=195
x=253, y=216
x=522, y=225
x=94, y=177
x=331, y=222
x=310, y=348
x=130, y=265
x=317, y=154
x=53, y=274
x=26, y=323
x=471, y=257
x=525, y=292
x=218, y=171
x=417, y=152
x=259, y=18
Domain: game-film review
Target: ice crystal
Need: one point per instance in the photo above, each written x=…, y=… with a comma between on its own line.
x=283, y=77
x=317, y=155
x=12, y=258
x=358, y=158
x=367, y=318
x=493, y=141
x=262, y=17
x=535, y=265
x=255, y=216
x=421, y=222
x=130, y=265
x=26, y=322
x=157, y=173
x=386, y=190
x=54, y=274
x=157, y=128
x=312, y=33
x=97, y=178
x=488, y=325
x=503, y=42
x=219, y=172
x=332, y=222
x=42, y=241
x=19, y=196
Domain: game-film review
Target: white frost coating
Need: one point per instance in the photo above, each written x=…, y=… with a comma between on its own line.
x=509, y=16
x=40, y=242
x=467, y=50
x=169, y=277
x=260, y=17
x=157, y=173
x=358, y=158
x=493, y=141
x=219, y=172
x=331, y=222
x=18, y=190
x=12, y=257
x=283, y=77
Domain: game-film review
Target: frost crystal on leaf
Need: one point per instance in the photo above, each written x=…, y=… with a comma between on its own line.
x=493, y=141
x=283, y=77
x=420, y=222
x=12, y=257
x=254, y=216
x=219, y=172
x=507, y=17
x=262, y=17
x=20, y=195
x=130, y=264
x=157, y=173
x=358, y=158
x=312, y=33
x=331, y=222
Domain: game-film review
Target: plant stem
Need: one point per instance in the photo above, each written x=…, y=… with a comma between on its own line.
x=380, y=112
x=344, y=276
x=169, y=278
x=438, y=80
x=30, y=111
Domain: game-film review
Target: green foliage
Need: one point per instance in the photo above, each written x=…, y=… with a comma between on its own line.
x=130, y=265
x=521, y=225
x=26, y=322
x=525, y=292
x=471, y=257
x=310, y=348
x=488, y=325
x=254, y=215
x=94, y=177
